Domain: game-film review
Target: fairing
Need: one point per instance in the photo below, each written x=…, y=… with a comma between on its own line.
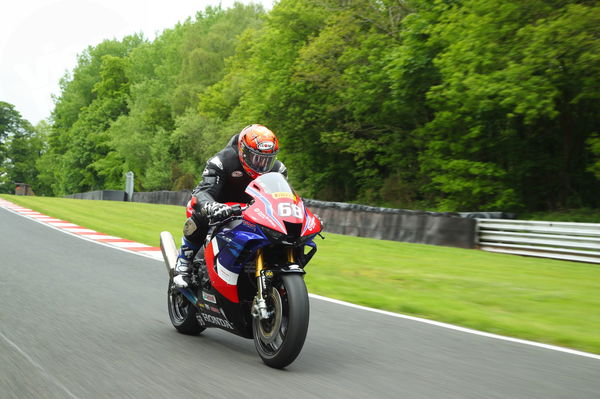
x=275, y=206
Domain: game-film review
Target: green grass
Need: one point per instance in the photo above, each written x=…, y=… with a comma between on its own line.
x=544, y=300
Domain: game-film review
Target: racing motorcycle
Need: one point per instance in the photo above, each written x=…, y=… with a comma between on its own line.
x=248, y=278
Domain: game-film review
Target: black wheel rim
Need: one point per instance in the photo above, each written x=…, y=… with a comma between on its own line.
x=178, y=306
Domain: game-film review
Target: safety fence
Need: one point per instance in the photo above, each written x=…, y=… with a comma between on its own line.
x=557, y=240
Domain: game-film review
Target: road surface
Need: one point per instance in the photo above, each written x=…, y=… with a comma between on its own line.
x=81, y=320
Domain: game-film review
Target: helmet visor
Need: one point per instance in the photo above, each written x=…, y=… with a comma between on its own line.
x=258, y=161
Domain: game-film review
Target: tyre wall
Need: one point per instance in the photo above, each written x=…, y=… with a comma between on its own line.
x=106, y=195
x=396, y=224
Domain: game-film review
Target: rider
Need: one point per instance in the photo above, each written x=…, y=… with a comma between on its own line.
x=248, y=155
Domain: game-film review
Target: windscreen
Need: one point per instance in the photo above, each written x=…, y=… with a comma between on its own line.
x=273, y=183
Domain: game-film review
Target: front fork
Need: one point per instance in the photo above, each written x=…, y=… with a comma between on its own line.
x=259, y=308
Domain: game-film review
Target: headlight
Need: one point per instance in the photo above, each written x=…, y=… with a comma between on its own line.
x=272, y=234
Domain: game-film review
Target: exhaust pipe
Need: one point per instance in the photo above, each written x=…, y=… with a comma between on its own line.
x=169, y=251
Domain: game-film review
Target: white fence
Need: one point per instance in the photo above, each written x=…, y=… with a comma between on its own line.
x=558, y=240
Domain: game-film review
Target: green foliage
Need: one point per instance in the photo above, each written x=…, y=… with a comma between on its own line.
x=21, y=145
x=594, y=145
x=118, y=109
x=451, y=105
x=515, y=103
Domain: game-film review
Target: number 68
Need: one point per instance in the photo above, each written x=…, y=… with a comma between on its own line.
x=287, y=209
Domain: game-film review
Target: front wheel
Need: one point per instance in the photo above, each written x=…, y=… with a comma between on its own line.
x=182, y=312
x=280, y=338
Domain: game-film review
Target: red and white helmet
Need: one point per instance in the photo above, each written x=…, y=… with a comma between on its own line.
x=257, y=148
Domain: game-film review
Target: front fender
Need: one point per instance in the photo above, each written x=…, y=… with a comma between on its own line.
x=291, y=268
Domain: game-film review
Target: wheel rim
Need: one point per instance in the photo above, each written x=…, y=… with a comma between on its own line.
x=271, y=332
x=178, y=306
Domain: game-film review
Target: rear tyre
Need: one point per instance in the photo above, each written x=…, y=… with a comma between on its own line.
x=280, y=338
x=182, y=313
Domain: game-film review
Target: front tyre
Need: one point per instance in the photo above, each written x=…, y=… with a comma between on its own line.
x=280, y=338
x=182, y=313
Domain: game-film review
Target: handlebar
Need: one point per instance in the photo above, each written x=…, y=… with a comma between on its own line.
x=237, y=211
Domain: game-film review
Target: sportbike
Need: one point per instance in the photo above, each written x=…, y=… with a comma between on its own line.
x=248, y=278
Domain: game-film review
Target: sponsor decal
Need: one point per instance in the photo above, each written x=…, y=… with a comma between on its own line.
x=310, y=223
x=209, y=297
x=265, y=217
x=237, y=173
x=266, y=145
x=217, y=320
x=216, y=310
x=284, y=195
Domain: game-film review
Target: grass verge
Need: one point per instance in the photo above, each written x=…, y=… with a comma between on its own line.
x=543, y=300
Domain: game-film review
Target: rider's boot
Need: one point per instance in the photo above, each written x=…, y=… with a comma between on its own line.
x=183, y=267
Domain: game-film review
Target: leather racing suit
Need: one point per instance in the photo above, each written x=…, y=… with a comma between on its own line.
x=223, y=180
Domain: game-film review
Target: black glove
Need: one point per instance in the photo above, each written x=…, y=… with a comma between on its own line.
x=216, y=211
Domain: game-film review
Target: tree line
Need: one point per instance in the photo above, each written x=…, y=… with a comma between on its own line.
x=451, y=105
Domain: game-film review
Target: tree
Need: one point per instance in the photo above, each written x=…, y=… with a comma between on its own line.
x=516, y=103
x=20, y=147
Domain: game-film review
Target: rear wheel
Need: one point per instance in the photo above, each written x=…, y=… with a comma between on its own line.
x=279, y=339
x=182, y=312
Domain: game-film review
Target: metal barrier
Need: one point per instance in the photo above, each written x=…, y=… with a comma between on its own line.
x=559, y=240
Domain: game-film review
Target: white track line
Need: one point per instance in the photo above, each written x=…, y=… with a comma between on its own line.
x=458, y=328
x=157, y=255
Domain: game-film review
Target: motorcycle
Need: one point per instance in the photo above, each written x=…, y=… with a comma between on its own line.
x=248, y=278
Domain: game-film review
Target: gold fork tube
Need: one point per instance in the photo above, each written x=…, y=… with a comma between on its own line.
x=260, y=264
x=290, y=255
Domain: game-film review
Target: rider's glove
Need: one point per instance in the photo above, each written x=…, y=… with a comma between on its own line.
x=216, y=211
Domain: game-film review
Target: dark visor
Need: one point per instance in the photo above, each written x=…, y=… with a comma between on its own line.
x=258, y=162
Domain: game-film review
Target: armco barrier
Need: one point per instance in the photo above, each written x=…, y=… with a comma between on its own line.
x=557, y=240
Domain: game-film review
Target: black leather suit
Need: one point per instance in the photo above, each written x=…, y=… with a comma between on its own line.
x=223, y=180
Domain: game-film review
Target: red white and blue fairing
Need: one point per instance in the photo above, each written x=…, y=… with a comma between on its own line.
x=276, y=215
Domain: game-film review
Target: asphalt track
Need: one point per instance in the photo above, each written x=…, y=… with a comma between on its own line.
x=81, y=320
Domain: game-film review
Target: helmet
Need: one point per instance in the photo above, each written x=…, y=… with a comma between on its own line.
x=257, y=149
